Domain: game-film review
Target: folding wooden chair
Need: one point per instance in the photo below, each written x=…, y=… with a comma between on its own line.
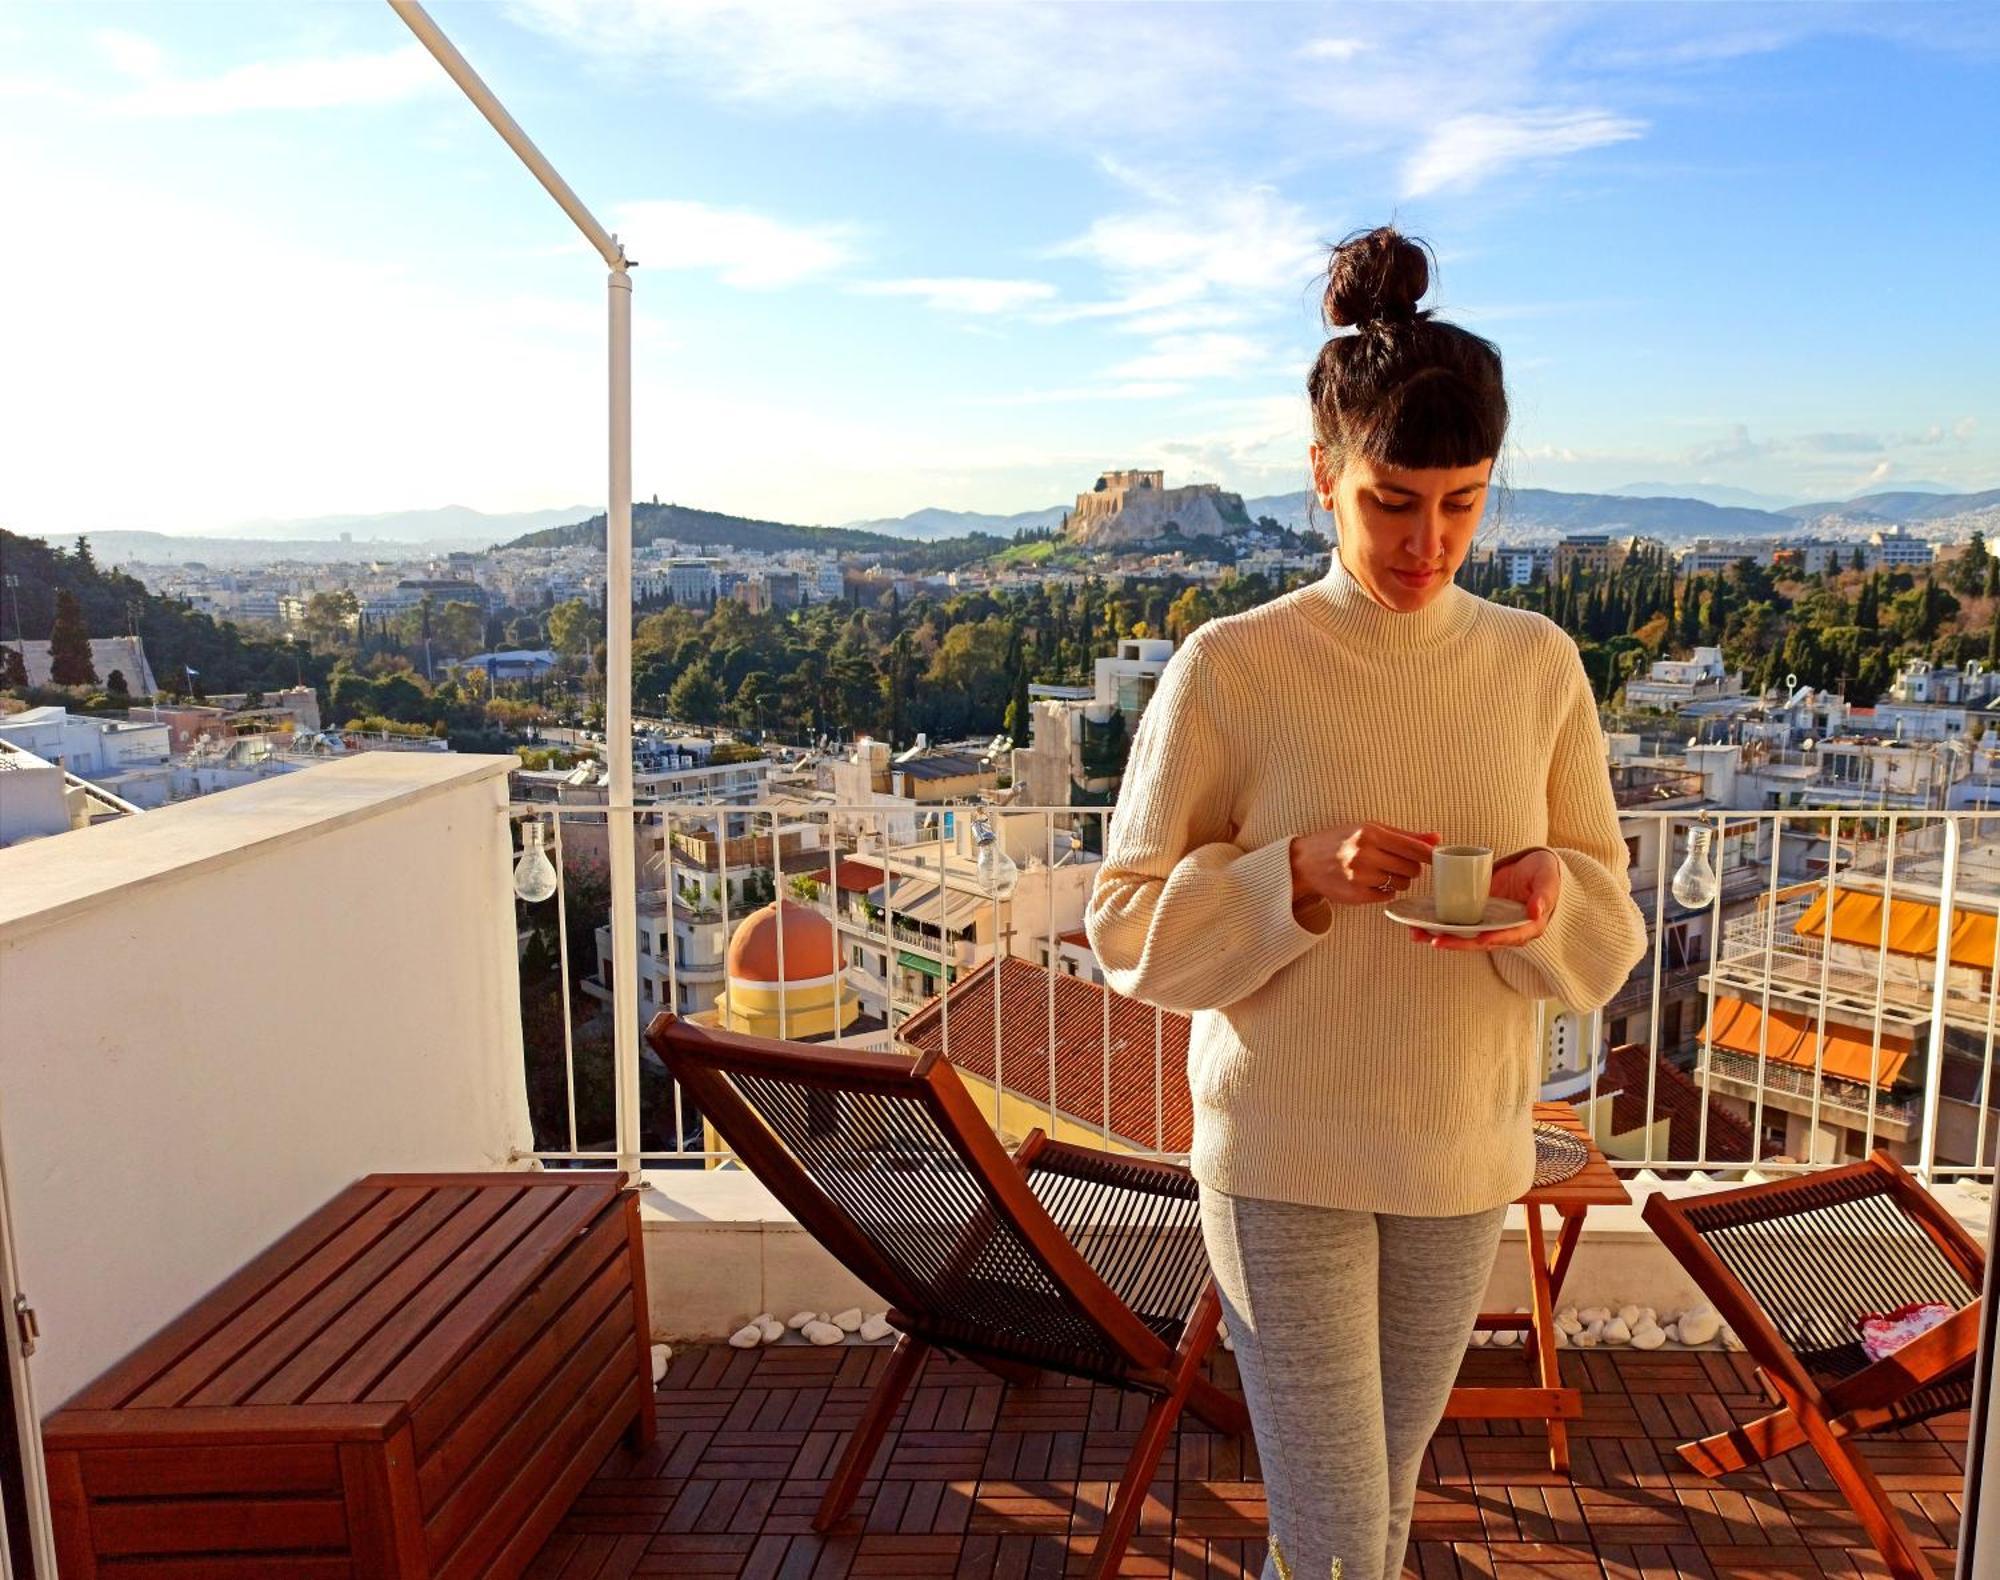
x=1058, y=1256
x=1791, y=1265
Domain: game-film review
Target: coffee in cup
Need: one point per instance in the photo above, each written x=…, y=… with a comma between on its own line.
x=1461, y=880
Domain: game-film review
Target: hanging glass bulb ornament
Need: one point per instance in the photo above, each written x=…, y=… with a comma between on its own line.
x=995, y=868
x=1695, y=884
x=534, y=873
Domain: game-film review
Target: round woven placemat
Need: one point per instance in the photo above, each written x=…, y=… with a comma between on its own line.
x=1559, y=1155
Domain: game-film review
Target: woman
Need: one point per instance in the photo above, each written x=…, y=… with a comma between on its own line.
x=1362, y=1090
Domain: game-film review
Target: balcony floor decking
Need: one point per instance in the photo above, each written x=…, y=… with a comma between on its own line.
x=977, y=1479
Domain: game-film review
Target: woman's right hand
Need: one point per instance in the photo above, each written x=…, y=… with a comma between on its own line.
x=1358, y=863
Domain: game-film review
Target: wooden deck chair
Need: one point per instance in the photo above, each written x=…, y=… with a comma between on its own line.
x=1057, y=1257
x=1792, y=1265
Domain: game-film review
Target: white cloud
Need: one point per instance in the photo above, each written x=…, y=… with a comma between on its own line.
x=1463, y=150
x=1196, y=357
x=1220, y=240
x=1337, y=49
x=1020, y=65
x=750, y=251
x=965, y=295
x=152, y=88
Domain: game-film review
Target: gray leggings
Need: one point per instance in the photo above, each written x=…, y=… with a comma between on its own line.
x=1348, y=1329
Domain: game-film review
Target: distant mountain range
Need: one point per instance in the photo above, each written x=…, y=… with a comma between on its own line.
x=930, y=525
x=460, y=524
x=1522, y=513
x=1528, y=512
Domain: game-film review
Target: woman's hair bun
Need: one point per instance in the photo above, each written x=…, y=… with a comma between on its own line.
x=1375, y=276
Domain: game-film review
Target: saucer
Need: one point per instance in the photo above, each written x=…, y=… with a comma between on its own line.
x=1421, y=911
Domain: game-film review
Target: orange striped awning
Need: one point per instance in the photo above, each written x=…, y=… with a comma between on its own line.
x=1736, y=1026
x=1913, y=926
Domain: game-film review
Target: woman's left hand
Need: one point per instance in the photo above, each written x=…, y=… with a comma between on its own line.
x=1535, y=879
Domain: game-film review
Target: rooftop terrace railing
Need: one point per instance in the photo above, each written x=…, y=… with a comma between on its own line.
x=1890, y=975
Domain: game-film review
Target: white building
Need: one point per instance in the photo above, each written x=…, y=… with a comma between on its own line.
x=1709, y=556
x=1519, y=565
x=1677, y=683
x=126, y=759
x=1889, y=546
x=691, y=582
x=1074, y=741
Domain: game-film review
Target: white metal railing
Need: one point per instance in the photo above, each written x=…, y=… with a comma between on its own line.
x=1934, y=1113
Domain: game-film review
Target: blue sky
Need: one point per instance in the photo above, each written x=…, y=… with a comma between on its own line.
x=268, y=263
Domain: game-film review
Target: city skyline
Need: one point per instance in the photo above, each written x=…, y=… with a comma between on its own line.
x=900, y=257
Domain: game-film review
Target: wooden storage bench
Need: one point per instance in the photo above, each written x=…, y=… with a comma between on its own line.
x=416, y=1381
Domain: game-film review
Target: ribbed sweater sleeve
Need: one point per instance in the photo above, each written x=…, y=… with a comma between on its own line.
x=1181, y=916
x=1596, y=934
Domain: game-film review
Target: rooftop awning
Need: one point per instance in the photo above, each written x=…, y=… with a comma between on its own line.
x=1792, y=1037
x=1913, y=926
x=917, y=900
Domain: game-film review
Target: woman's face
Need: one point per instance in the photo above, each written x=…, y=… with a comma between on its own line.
x=1403, y=532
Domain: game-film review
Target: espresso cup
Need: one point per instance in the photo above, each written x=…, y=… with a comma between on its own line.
x=1461, y=879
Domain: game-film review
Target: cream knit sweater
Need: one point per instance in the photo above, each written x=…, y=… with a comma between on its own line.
x=1335, y=1060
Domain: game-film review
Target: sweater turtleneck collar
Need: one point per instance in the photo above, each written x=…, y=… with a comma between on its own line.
x=1349, y=609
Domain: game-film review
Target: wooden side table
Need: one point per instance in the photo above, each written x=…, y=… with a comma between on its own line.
x=1594, y=1185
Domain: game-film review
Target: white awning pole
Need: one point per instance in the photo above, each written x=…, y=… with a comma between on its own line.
x=620, y=814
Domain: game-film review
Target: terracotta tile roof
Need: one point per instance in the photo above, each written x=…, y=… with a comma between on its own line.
x=1137, y=1033
x=1076, y=938
x=1676, y=1097
x=854, y=874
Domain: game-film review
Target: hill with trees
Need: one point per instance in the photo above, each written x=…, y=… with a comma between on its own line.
x=66, y=595
x=652, y=521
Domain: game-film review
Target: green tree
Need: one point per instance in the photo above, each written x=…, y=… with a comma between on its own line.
x=12, y=671
x=1017, y=722
x=331, y=618
x=458, y=628
x=754, y=699
x=696, y=697
x=573, y=628
x=116, y=685
x=69, y=643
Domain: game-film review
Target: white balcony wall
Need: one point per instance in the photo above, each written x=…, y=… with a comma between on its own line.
x=218, y=1014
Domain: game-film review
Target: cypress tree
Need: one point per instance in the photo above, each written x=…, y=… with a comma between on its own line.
x=69, y=645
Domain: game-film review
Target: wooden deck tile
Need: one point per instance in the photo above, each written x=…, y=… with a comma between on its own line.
x=981, y=1481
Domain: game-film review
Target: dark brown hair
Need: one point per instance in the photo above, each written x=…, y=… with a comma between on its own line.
x=1406, y=389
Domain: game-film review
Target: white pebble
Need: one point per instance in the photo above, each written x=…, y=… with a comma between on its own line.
x=1594, y=1314
x=798, y=1319
x=822, y=1333
x=1730, y=1341
x=1229, y=1344
x=1562, y=1339
x=1569, y=1322
x=747, y=1337
x=1506, y=1338
x=1616, y=1331
x=1648, y=1338
x=1672, y=1331
x=661, y=1355
x=1629, y=1315
x=1700, y=1326
x=1481, y=1337
x=1648, y=1317
x=1587, y=1339
x=847, y=1321
x=772, y=1329
x=875, y=1327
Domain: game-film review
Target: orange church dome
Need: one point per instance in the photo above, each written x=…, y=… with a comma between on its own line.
x=809, y=948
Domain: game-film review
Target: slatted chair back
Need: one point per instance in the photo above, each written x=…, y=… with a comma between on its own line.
x=888, y=1163
x=1817, y=1252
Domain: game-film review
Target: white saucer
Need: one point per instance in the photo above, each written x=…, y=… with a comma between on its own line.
x=1421, y=911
